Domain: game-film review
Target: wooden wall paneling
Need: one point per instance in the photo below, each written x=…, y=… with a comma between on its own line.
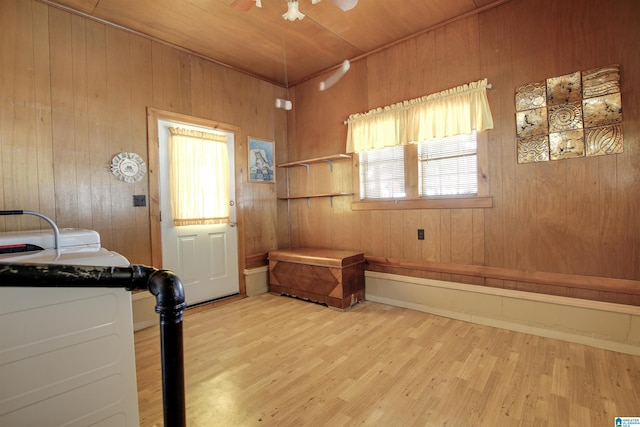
x=141, y=96
x=8, y=35
x=157, y=77
x=207, y=97
x=553, y=242
x=392, y=75
x=363, y=229
x=445, y=238
x=98, y=121
x=64, y=155
x=462, y=239
x=376, y=74
x=16, y=145
x=430, y=247
x=235, y=101
x=17, y=112
x=407, y=76
x=120, y=110
x=607, y=207
x=514, y=178
x=284, y=217
x=458, y=53
x=266, y=221
x=462, y=236
x=42, y=87
x=495, y=43
x=574, y=34
x=173, y=84
x=628, y=187
x=315, y=227
x=81, y=132
x=379, y=234
x=426, y=64
x=254, y=106
x=411, y=220
x=284, y=136
x=282, y=140
x=320, y=180
x=478, y=240
x=582, y=223
x=354, y=239
x=294, y=222
x=336, y=223
x=396, y=229
x=526, y=229
x=319, y=125
x=628, y=231
x=345, y=222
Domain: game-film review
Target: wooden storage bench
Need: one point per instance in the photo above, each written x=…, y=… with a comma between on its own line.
x=327, y=276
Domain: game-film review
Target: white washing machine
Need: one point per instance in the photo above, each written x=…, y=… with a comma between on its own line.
x=67, y=355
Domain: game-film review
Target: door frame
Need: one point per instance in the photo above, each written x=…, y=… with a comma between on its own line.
x=153, y=115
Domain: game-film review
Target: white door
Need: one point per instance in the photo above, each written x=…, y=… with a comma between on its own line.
x=205, y=257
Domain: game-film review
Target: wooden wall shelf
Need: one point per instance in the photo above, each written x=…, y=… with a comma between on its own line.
x=306, y=163
x=312, y=196
x=315, y=196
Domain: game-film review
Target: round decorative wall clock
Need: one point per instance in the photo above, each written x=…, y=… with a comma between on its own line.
x=128, y=167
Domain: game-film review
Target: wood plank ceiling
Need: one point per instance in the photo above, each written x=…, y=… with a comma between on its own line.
x=261, y=43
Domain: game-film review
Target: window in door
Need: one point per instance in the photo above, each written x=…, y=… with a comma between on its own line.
x=198, y=177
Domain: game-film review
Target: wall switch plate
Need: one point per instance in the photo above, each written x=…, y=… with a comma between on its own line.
x=420, y=234
x=139, y=200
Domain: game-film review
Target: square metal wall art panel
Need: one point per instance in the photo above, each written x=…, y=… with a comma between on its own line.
x=566, y=145
x=532, y=95
x=532, y=122
x=565, y=117
x=533, y=149
x=574, y=115
x=564, y=89
x=603, y=110
x=604, y=140
x=601, y=81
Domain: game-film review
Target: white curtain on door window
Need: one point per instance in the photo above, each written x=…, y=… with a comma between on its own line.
x=199, y=177
x=452, y=112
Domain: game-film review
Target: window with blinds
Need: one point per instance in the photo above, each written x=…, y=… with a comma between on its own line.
x=448, y=166
x=382, y=173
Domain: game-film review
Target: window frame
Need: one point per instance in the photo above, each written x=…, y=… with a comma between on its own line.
x=413, y=201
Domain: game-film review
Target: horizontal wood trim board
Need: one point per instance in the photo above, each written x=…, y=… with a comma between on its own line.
x=452, y=203
x=606, y=284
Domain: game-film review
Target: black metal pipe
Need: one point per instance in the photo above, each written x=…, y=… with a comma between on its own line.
x=170, y=303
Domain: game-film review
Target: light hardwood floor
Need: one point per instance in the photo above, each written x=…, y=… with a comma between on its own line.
x=269, y=360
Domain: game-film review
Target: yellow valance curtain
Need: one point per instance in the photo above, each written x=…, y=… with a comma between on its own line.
x=455, y=111
x=199, y=177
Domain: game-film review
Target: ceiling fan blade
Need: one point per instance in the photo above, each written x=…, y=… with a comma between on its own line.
x=345, y=4
x=243, y=5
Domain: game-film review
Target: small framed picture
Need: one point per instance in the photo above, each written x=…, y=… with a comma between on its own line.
x=261, y=160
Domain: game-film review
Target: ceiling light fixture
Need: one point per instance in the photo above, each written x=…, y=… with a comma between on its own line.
x=292, y=12
x=345, y=4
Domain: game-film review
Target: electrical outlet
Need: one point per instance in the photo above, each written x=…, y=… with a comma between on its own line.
x=420, y=234
x=139, y=200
